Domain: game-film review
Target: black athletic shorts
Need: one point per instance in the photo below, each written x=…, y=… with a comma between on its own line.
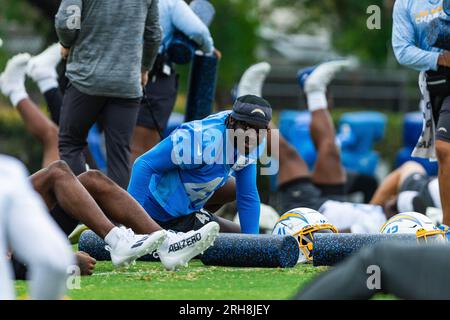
x=438, y=84
x=64, y=221
x=193, y=221
x=443, y=122
x=161, y=94
x=303, y=193
x=420, y=183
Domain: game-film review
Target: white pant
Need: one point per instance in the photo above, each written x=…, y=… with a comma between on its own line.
x=28, y=230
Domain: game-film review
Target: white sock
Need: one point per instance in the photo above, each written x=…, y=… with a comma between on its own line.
x=17, y=96
x=47, y=84
x=113, y=237
x=317, y=100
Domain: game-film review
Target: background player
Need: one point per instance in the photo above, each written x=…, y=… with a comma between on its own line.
x=176, y=187
x=162, y=87
x=27, y=229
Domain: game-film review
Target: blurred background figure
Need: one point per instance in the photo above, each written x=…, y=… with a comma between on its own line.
x=409, y=40
x=162, y=88
x=408, y=271
x=107, y=69
x=27, y=229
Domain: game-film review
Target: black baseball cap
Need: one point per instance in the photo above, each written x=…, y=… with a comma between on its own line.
x=253, y=110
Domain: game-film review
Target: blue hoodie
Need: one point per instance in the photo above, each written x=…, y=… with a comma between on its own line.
x=411, y=18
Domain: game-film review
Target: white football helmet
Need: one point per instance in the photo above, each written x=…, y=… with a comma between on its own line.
x=414, y=223
x=302, y=223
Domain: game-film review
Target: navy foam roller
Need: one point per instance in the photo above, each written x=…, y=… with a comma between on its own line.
x=181, y=49
x=258, y=251
x=93, y=245
x=330, y=249
x=438, y=34
x=202, y=87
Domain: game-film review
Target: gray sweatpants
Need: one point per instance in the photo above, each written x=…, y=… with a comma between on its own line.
x=407, y=271
x=118, y=116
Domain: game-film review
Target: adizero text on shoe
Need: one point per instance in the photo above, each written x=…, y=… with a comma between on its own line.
x=131, y=247
x=180, y=248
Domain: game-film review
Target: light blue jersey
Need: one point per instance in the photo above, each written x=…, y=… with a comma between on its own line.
x=411, y=19
x=173, y=180
x=176, y=14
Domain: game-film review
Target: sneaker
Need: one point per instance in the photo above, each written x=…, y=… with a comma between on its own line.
x=131, y=247
x=253, y=79
x=180, y=248
x=43, y=66
x=13, y=77
x=303, y=74
x=317, y=78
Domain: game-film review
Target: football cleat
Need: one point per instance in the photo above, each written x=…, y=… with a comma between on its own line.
x=179, y=248
x=317, y=78
x=43, y=66
x=252, y=80
x=12, y=80
x=303, y=223
x=131, y=247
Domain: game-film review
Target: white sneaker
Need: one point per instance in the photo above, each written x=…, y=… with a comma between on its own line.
x=180, y=248
x=319, y=79
x=252, y=80
x=43, y=66
x=131, y=247
x=13, y=77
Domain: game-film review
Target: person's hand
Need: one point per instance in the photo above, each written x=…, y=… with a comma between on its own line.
x=86, y=263
x=444, y=59
x=65, y=53
x=144, y=77
x=218, y=54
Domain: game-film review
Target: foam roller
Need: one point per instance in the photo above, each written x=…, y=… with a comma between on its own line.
x=330, y=249
x=202, y=87
x=262, y=251
x=438, y=34
x=181, y=49
x=93, y=245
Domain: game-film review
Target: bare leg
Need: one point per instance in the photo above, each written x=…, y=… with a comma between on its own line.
x=144, y=139
x=57, y=184
x=42, y=128
x=117, y=204
x=328, y=168
x=443, y=155
x=224, y=195
x=291, y=164
x=391, y=184
x=227, y=226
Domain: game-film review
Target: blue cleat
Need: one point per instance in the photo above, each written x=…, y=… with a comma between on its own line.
x=303, y=74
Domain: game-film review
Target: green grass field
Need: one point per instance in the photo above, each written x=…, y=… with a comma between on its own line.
x=149, y=280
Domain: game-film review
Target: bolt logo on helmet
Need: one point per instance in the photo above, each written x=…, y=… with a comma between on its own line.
x=414, y=223
x=302, y=223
